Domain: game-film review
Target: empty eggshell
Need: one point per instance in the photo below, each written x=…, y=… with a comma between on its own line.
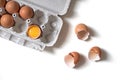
x=12, y=7
x=7, y=21
x=72, y=59
x=26, y=12
x=82, y=32
x=95, y=54
x=2, y=3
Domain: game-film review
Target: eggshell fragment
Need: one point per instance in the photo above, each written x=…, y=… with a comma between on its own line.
x=95, y=54
x=7, y=21
x=12, y=7
x=26, y=12
x=2, y=3
x=82, y=32
x=72, y=59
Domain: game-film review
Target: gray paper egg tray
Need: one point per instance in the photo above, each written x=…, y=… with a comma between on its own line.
x=45, y=15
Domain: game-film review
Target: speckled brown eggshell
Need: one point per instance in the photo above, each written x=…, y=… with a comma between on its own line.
x=2, y=3
x=26, y=12
x=82, y=32
x=7, y=21
x=12, y=7
x=72, y=59
x=95, y=54
x=76, y=56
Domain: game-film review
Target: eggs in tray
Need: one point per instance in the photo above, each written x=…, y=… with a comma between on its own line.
x=27, y=25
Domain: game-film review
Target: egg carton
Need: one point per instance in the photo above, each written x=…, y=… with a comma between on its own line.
x=45, y=15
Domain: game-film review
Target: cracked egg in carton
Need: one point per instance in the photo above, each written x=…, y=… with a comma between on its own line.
x=30, y=23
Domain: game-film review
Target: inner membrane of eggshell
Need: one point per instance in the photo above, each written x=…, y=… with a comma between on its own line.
x=83, y=35
x=94, y=56
x=69, y=61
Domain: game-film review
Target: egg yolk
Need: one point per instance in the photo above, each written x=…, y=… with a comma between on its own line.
x=34, y=31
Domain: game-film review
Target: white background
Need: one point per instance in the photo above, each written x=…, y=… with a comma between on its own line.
x=102, y=17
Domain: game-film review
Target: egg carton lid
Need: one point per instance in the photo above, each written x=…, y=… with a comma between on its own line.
x=59, y=7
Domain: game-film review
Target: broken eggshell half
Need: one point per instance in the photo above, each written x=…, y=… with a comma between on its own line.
x=95, y=54
x=72, y=59
x=82, y=32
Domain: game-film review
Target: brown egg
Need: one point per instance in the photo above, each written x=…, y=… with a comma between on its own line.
x=2, y=3
x=95, y=54
x=26, y=12
x=7, y=21
x=82, y=32
x=72, y=59
x=12, y=7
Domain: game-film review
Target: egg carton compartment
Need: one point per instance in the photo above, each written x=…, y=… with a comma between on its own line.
x=51, y=29
x=48, y=22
